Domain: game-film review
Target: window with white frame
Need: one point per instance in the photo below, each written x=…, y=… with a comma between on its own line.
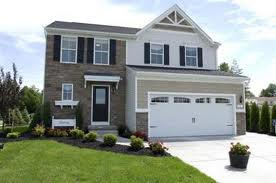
x=182, y=100
x=67, y=91
x=156, y=53
x=203, y=100
x=160, y=100
x=222, y=101
x=101, y=51
x=191, y=56
x=69, y=49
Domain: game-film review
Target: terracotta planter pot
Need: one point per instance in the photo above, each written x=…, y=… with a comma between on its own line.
x=238, y=161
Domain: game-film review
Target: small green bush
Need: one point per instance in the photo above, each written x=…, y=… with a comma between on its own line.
x=136, y=143
x=265, y=119
x=109, y=139
x=39, y=131
x=91, y=137
x=158, y=148
x=13, y=135
x=77, y=134
x=56, y=133
x=121, y=129
x=239, y=149
x=247, y=114
x=254, y=117
x=79, y=116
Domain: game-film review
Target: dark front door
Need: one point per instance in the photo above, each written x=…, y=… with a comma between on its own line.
x=100, y=104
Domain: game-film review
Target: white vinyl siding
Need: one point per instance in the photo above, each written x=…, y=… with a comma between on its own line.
x=68, y=49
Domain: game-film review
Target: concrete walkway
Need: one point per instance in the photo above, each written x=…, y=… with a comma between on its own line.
x=210, y=155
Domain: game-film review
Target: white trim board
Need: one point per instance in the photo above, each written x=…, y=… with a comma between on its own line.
x=115, y=79
x=100, y=122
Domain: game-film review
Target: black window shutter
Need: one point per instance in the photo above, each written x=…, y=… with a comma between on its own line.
x=112, y=52
x=166, y=54
x=80, y=49
x=147, y=53
x=90, y=50
x=57, y=43
x=182, y=55
x=199, y=57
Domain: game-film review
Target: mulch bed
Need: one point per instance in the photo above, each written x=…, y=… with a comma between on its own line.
x=90, y=145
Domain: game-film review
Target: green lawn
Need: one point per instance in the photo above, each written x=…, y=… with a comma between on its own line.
x=50, y=161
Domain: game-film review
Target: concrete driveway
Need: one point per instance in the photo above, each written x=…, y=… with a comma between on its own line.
x=210, y=155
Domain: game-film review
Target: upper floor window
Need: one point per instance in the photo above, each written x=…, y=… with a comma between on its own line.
x=101, y=51
x=67, y=91
x=69, y=49
x=156, y=53
x=191, y=56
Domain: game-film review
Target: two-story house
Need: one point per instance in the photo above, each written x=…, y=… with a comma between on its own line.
x=161, y=79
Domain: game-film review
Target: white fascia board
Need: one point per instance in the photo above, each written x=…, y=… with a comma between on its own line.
x=102, y=78
x=189, y=77
x=53, y=31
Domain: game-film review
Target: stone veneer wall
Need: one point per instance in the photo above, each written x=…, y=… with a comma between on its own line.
x=142, y=123
x=57, y=73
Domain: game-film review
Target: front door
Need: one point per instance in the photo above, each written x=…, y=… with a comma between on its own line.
x=100, y=107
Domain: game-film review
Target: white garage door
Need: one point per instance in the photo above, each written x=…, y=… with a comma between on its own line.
x=189, y=115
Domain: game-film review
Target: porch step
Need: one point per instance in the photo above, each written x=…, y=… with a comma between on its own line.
x=103, y=129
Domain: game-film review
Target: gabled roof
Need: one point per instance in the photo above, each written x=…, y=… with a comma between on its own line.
x=92, y=27
x=176, y=8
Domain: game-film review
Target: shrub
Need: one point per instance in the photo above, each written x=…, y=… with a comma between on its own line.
x=247, y=109
x=121, y=129
x=265, y=118
x=36, y=118
x=57, y=133
x=39, y=131
x=25, y=116
x=140, y=134
x=239, y=149
x=13, y=135
x=91, y=137
x=76, y=133
x=109, y=139
x=158, y=148
x=79, y=117
x=136, y=143
x=273, y=116
x=254, y=117
x=46, y=114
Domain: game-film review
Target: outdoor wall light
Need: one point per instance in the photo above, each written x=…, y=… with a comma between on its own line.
x=241, y=99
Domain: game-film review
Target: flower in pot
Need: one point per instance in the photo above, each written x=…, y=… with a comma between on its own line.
x=1, y=146
x=239, y=155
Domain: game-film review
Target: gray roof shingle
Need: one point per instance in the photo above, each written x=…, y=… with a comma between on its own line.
x=183, y=71
x=93, y=27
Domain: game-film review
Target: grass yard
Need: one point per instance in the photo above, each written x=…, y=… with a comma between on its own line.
x=50, y=161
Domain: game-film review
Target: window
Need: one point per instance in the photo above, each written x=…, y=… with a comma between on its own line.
x=191, y=56
x=100, y=96
x=69, y=49
x=157, y=53
x=203, y=100
x=101, y=51
x=67, y=91
x=160, y=100
x=222, y=101
x=181, y=100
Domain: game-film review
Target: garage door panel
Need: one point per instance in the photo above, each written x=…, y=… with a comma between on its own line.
x=191, y=119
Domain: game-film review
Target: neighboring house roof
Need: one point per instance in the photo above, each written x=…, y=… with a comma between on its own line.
x=93, y=27
x=183, y=71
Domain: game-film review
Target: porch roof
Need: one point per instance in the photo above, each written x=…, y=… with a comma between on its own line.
x=101, y=77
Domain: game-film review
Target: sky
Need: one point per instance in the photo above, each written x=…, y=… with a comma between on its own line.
x=245, y=28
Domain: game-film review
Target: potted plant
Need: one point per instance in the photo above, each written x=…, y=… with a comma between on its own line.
x=1, y=146
x=239, y=155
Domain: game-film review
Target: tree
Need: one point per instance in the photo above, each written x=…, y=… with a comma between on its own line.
x=235, y=68
x=46, y=115
x=25, y=115
x=10, y=92
x=224, y=67
x=273, y=116
x=254, y=117
x=247, y=109
x=37, y=118
x=31, y=98
x=79, y=117
x=270, y=91
x=265, y=119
